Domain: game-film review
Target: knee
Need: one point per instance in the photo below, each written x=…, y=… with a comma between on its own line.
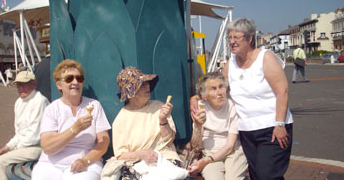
x=3, y=162
x=212, y=174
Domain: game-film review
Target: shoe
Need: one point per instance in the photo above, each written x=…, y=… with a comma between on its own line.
x=306, y=81
x=294, y=81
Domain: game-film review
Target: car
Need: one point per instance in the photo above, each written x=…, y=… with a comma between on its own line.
x=340, y=59
x=326, y=58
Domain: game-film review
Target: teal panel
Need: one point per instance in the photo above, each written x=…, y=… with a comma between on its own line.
x=61, y=38
x=104, y=49
x=74, y=8
x=161, y=46
x=105, y=36
x=166, y=63
x=134, y=9
x=101, y=81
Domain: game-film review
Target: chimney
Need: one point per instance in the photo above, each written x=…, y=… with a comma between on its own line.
x=305, y=19
x=314, y=16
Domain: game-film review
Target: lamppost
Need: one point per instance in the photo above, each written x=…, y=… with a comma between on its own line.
x=256, y=37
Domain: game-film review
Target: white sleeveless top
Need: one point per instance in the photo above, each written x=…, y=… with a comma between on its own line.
x=254, y=99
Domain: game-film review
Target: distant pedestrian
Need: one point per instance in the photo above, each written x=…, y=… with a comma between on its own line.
x=9, y=75
x=299, y=54
x=42, y=73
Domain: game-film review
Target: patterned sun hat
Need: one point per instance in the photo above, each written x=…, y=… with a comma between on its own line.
x=130, y=79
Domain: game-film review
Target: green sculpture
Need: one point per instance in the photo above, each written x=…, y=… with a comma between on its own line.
x=105, y=36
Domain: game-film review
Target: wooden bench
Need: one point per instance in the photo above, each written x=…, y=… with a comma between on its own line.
x=20, y=171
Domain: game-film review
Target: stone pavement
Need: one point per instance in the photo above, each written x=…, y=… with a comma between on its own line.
x=299, y=169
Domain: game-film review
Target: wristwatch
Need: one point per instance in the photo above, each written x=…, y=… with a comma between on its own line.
x=279, y=123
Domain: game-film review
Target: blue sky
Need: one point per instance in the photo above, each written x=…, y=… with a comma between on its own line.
x=268, y=15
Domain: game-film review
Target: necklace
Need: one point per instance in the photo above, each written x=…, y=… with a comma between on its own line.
x=241, y=77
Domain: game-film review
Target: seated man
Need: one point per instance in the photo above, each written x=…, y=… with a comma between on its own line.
x=28, y=110
x=215, y=128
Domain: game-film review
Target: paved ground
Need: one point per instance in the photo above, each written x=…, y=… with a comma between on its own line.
x=300, y=168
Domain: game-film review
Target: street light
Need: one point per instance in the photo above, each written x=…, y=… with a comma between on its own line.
x=256, y=38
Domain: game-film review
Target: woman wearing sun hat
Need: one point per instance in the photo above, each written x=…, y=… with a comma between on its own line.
x=142, y=126
x=73, y=138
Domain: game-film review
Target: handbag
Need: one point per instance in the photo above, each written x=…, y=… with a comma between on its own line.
x=299, y=62
x=162, y=170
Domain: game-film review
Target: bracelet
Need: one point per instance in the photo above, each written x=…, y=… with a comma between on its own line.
x=87, y=160
x=72, y=130
x=163, y=124
x=211, y=158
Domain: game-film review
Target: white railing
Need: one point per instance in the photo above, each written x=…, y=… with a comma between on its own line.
x=26, y=38
x=221, y=40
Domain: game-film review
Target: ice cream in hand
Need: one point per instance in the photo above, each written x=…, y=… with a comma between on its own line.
x=169, y=97
x=89, y=109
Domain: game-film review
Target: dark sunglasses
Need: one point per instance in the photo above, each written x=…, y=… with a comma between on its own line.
x=70, y=77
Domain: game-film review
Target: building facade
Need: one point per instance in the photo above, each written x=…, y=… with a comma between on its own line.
x=338, y=30
x=322, y=35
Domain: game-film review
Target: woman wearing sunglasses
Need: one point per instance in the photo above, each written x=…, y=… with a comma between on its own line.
x=73, y=138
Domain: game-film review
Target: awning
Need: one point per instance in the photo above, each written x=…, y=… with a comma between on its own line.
x=199, y=7
x=35, y=11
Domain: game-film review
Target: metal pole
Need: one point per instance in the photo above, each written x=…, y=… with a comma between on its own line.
x=29, y=46
x=32, y=41
x=21, y=15
x=200, y=30
x=15, y=50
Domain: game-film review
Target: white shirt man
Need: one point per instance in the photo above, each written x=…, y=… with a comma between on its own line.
x=28, y=109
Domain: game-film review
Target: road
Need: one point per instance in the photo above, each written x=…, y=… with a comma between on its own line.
x=318, y=111
x=317, y=108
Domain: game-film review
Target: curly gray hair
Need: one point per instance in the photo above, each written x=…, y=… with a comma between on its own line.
x=200, y=86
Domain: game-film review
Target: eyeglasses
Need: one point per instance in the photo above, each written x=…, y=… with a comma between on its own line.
x=70, y=77
x=235, y=38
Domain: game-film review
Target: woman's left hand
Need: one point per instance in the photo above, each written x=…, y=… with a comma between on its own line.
x=280, y=133
x=197, y=166
x=79, y=165
x=165, y=111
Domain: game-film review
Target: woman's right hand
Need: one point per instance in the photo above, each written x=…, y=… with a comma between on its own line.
x=149, y=156
x=200, y=116
x=82, y=123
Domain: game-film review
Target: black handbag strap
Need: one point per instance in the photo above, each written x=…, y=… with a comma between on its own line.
x=298, y=53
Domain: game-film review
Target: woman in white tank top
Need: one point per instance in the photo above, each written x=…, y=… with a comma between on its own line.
x=259, y=89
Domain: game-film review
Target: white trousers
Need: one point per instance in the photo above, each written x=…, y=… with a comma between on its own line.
x=233, y=167
x=45, y=170
x=18, y=156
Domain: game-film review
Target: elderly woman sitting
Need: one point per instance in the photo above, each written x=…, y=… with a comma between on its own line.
x=74, y=128
x=142, y=126
x=216, y=129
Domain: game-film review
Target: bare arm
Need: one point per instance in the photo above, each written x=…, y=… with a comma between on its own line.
x=102, y=144
x=199, y=120
x=148, y=155
x=4, y=150
x=277, y=80
x=165, y=130
x=53, y=142
x=225, y=71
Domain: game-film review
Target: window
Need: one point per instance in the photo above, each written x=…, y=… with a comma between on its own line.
x=322, y=35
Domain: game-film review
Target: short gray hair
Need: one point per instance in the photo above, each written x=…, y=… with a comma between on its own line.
x=200, y=86
x=243, y=25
